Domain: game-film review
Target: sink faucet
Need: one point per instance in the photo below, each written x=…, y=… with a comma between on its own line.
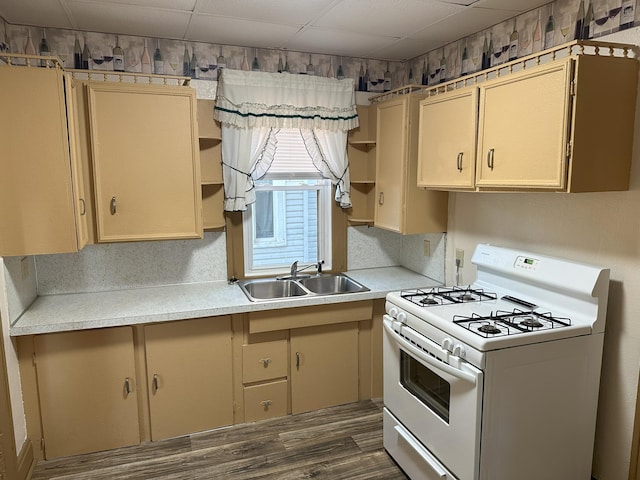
x=294, y=269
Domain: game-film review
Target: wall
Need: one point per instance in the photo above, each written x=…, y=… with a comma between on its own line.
x=598, y=228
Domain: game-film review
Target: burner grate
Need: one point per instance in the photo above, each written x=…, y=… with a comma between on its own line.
x=446, y=295
x=502, y=323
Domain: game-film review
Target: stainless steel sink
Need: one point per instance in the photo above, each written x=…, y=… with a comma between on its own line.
x=269, y=289
x=265, y=289
x=331, y=284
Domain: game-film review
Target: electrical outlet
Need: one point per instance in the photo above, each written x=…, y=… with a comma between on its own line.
x=459, y=257
x=427, y=248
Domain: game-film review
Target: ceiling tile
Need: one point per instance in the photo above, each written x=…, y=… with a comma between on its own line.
x=127, y=19
x=470, y=21
x=187, y=5
x=511, y=5
x=288, y=12
x=35, y=12
x=232, y=31
x=336, y=42
x=406, y=49
x=393, y=18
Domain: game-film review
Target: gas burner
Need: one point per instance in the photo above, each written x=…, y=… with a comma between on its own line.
x=531, y=322
x=503, y=323
x=489, y=328
x=446, y=295
x=429, y=300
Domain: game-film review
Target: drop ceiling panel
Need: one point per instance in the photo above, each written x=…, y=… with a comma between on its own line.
x=288, y=12
x=336, y=42
x=385, y=17
x=187, y=5
x=464, y=23
x=406, y=49
x=127, y=19
x=515, y=5
x=233, y=31
x=35, y=12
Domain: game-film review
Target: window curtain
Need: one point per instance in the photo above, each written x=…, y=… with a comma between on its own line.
x=251, y=106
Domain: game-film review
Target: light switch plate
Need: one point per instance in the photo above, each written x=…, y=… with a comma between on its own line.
x=459, y=257
x=427, y=248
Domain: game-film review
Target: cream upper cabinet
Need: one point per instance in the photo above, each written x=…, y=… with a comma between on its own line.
x=565, y=125
x=42, y=210
x=145, y=157
x=400, y=205
x=523, y=128
x=447, y=140
x=189, y=375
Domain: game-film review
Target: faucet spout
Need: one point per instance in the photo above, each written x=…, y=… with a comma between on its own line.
x=294, y=269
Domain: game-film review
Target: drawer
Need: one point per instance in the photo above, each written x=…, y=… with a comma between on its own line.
x=267, y=400
x=264, y=361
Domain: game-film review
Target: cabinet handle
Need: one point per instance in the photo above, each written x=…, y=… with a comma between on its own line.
x=298, y=360
x=490, y=159
x=114, y=208
x=265, y=362
x=154, y=383
x=381, y=198
x=127, y=387
x=83, y=210
x=459, y=161
x=266, y=403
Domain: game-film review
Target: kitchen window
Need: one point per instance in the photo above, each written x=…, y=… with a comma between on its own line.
x=291, y=217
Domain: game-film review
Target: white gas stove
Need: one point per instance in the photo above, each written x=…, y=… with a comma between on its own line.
x=471, y=374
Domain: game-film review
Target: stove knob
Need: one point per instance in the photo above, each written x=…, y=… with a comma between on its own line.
x=447, y=344
x=393, y=312
x=459, y=351
x=402, y=317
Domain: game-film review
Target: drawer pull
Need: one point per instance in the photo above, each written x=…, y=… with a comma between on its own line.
x=265, y=362
x=298, y=360
x=381, y=198
x=459, y=161
x=154, y=383
x=114, y=206
x=127, y=387
x=266, y=404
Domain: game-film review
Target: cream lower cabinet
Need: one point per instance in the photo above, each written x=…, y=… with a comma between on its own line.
x=145, y=159
x=447, y=140
x=189, y=376
x=401, y=206
x=42, y=207
x=87, y=390
x=324, y=366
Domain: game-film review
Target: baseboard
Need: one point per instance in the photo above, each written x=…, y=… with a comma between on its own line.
x=26, y=461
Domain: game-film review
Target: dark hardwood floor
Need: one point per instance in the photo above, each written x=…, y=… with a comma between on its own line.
x=343, y=442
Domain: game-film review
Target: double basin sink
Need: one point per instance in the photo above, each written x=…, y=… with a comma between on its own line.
x=264, y=289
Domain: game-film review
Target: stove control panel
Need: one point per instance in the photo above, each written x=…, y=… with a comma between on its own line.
x=526, y=263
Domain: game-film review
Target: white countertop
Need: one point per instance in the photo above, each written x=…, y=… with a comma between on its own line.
x=80, y=311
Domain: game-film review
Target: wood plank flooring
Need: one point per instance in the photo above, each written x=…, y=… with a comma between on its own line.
x=343, y=442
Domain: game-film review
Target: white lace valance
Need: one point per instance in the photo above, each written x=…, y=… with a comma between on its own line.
x=282, y=100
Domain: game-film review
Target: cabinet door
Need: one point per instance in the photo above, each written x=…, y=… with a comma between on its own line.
x=324, y=366
x=390, y=163
x=447, y=140
x=37, y=208
x=146, y=164
x=523, y=128
x=189, y=365
x=88, y=397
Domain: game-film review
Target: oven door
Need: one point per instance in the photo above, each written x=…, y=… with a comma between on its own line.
x=436, y=397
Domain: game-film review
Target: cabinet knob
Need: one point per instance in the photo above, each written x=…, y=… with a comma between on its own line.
x=265, y=362
x=381, y=198
x=114, y=208
x=266, y=404
x=490, y=159
x=459, y=161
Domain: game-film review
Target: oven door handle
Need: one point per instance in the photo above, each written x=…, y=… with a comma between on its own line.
x=420, y=450
x=445, y=367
